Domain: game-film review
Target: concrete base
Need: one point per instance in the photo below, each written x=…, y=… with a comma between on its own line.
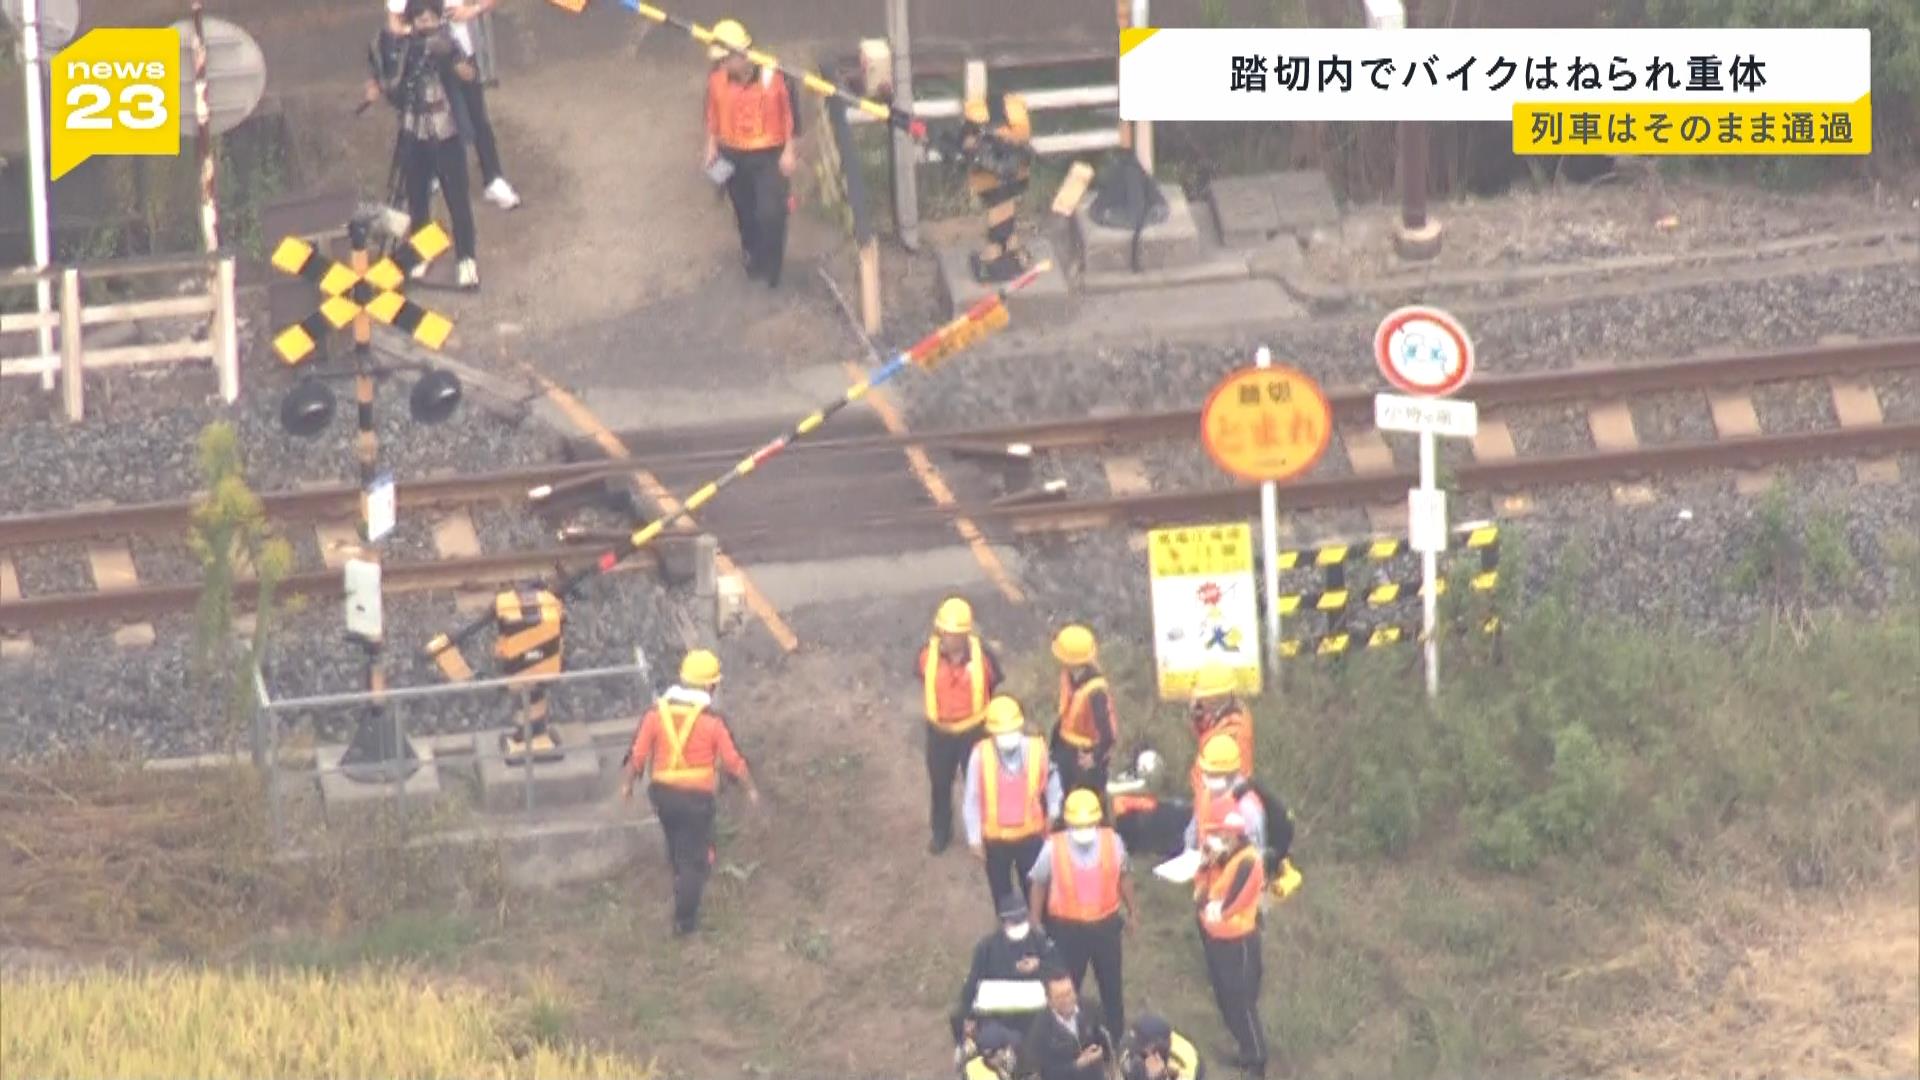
x=1419, y=244
x=1252, y=210
x=1047, y=297
x=1171, y=243
x=569, y=781
x=342, y=797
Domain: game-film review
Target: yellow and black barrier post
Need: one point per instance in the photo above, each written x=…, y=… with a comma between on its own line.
x=1337, y=601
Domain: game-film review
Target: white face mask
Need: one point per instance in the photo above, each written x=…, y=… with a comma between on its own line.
x=1219, y=785
x=1083, y=836
x=1008, y=743
x=1018, y=931
x=1217, y=845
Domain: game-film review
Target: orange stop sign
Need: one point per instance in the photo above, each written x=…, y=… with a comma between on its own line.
x=1270, y=423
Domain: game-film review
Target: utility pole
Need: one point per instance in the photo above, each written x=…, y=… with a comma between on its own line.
x=1417, y=237
x=37, y=171
x=906, y=152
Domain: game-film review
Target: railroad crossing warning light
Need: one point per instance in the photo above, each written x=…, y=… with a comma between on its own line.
x=308, y=408
x=434, y=397
x=529, y=621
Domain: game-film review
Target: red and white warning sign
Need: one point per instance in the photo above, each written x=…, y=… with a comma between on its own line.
x=1424, y=351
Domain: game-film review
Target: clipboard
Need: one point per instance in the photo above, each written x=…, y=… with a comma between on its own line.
x=1000, y=997
x=1180, y=869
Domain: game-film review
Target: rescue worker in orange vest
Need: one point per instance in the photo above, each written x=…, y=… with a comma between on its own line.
x=681, y=740
x=1223, y=791
x=1012, y=792
x=1080, y=883
x=1226, y=896
x=752, y=123
x=957, y=675
x=1088, y=727
x=1216, y=711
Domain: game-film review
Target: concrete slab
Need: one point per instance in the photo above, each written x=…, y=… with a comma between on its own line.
x=1171, y=243
x=1254, y=209
x=1216, y=265
x=569, y=781
x=777, y=400
x=1047, y=298
x=1190, y=313
x=346, y=800
x=789, y=586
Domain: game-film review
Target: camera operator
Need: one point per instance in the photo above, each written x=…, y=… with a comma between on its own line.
x=420, y=71
x=459, y=17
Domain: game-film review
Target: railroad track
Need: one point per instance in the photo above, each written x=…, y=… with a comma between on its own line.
x=855, y=498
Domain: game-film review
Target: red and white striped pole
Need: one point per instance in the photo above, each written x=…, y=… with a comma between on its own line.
x=203, y=117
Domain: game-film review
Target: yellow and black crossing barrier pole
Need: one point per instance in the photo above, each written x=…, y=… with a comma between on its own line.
x=966, y=329
x=357, y=294
x=1336, y=600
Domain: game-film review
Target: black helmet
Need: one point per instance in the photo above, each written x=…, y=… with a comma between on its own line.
x=992, y=1038
x=1150, y=1032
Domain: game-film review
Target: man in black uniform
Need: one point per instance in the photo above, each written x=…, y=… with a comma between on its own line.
x=1016, y=952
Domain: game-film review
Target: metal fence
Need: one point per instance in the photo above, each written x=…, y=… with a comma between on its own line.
x=455, y=773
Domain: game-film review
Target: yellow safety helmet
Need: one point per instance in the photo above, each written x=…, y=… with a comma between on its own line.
x=1074, y=645
x=1083, y=808
x=1221, y=754
x=974, y=110
x=1214, y=680
x=954, y=617
x=1004, y=715
x=727, y=32
x=699, y=668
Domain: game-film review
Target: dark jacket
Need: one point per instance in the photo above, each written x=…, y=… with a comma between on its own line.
x=995, y=957
x=401, y=61
x=1050, y=1052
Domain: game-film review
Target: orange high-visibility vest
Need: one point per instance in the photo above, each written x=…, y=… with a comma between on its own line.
x=954, y=706
x=755, y=115
x=1242, y=916
x=1084, y=894
x=676, y=726
x=1240, y=726
x=1076, y=712
x=1012, y=813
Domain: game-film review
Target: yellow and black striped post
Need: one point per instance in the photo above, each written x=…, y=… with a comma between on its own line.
x=1336, y=600
x=1001, y=164
x=529, y=621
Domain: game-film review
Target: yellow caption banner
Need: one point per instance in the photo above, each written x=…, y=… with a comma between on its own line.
x=1774, y=128
x=115, y=91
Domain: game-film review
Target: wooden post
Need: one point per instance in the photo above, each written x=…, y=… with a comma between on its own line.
x=73, y=386
x=870, y=286
x=1122, y=18
x=973, y=83
x=906, y=153
x=226, y=333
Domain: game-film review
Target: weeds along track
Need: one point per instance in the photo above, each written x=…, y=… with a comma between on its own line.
x=855, y=495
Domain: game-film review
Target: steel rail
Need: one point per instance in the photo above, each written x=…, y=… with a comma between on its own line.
x=1350, y=404
x=1052, y=517
x=152, y=601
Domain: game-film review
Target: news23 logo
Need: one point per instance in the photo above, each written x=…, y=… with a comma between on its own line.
x=116, y=91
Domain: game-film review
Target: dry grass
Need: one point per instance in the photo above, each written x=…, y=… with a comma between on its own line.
x=210, y=1024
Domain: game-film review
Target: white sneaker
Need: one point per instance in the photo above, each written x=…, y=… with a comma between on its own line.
x=501, y=194
x=469, y=274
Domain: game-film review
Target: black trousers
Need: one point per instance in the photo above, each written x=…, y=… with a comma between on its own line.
x=1066, y=758
x=759, y=195
x=1234, y=969
x=1007, y=864
x=946, y=761
x=483, y=144
x=421, y=161
x=687, y=819
x=1097, y=945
